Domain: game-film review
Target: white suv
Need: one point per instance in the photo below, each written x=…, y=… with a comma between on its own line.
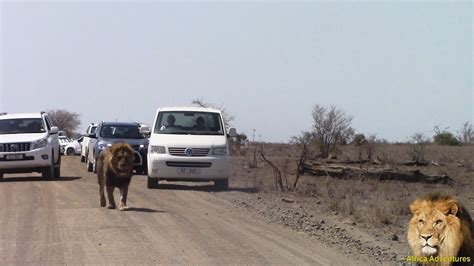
x=85, y=141
x=29, y=143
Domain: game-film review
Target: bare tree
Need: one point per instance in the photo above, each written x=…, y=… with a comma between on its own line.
x=226, y=116
x=276, y=169
x=65, y=120
x=419, y=141
x=303, y=142
x=330, y=125
x=466, y=134
x=371, y=147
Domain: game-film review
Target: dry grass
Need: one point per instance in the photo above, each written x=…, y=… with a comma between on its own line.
x=370, y=201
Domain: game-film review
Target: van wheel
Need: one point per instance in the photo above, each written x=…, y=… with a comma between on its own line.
x=83, y=159
x=152, y=182
x=221, y=184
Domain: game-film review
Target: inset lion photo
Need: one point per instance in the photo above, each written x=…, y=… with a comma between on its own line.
x=440, y=231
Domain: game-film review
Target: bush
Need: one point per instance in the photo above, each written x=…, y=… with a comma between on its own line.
x=446, y=138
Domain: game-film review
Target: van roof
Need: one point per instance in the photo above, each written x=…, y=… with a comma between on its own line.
x=189, y=108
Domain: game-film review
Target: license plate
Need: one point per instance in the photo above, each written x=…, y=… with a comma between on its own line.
x=14, y=156
x=189, y=171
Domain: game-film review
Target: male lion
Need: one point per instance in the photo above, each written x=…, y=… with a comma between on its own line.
x=440, y=227
x=114, y=169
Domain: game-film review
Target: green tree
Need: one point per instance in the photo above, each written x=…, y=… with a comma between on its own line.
x=444, y=137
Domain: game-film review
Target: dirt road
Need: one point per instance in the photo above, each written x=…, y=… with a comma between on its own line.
x=60, y=222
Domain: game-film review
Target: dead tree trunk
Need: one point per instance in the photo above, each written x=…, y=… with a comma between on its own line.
x=276, y=170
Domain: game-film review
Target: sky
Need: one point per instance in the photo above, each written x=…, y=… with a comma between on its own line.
x=398, y=68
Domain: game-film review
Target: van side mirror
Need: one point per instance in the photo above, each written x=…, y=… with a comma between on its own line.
x=54, y=130
x=232, y=132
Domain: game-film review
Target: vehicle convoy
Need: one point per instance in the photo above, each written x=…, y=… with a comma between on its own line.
x=85, y=141
x=108, y=133
x=63, y=142
x=29, y=143
x=74, y=147
x=189, y=144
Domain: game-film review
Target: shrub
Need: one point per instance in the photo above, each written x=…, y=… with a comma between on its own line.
x=446, y=138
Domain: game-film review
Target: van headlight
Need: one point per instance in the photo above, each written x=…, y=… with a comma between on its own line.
x=219, y=151
x=40, y=143
x=157, y=149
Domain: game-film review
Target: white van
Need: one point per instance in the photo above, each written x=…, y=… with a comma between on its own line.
x=189, y=144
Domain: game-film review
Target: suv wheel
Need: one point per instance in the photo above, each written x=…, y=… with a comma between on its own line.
x=221, y=184
x=89, y=167
x=70, y=152
x=152, y=182
x=83, y=159
x=48, y=171
x=86, y=160
x=57, y=168
x=94, y=166
x=141, y=171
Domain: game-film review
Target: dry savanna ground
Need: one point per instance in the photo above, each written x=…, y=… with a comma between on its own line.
x=362, y=215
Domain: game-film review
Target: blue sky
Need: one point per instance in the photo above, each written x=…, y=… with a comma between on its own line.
x=397, y=67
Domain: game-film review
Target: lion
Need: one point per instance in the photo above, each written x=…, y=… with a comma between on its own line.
x=440, y=227
x=114, y=169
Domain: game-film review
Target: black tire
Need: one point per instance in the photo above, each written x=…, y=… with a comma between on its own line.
x=94, y=166
x=221, y=184
x=141, y=171
x=152, y=182
x=89, y=167
x=1, y=176
x=48, y=171
x=83, y=159
x=70, y=152
x=86, y=157
x=57, y=168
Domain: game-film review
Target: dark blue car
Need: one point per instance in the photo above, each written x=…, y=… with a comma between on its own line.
x=108, y=133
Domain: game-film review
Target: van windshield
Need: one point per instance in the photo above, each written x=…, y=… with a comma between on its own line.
x=22, y=125
x=185, y=122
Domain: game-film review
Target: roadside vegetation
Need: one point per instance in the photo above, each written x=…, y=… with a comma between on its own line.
x=347, y=171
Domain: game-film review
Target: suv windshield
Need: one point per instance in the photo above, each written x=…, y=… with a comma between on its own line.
x=22, y=125
x=184, y=122
x=121, y=131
